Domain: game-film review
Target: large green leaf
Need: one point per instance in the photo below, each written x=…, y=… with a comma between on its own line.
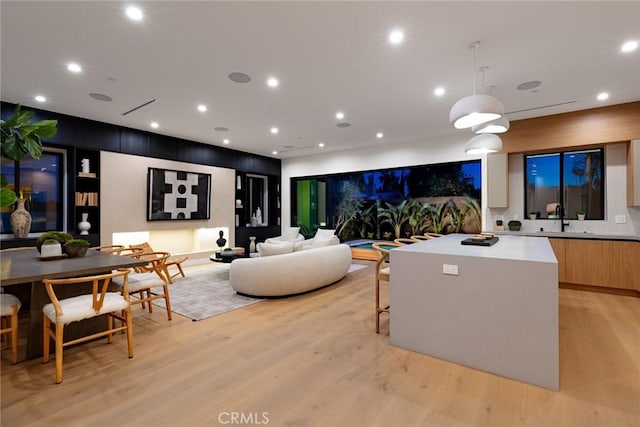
x=21, y=138
x=7, y=197
x=11, y=149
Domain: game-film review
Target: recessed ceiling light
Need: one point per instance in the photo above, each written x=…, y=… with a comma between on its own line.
x=134, y=13
x=274, y=130
x=439, y=91
x=225, y=141
x=272, y=82
x=379, y=135
x=274, y=152
x=74, y=67
x=340, y=115
x=602, y=96
x=629, y=46
x=202, y=108
x=40, y=98
x=396, y=36
x=155, y=125
x=321, y=144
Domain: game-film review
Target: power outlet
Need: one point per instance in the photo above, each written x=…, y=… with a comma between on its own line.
x=450, y=269
x=621, y=219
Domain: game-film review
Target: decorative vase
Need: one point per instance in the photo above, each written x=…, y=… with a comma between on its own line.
x=252, y=244
x=20, y=220
x=84, y=225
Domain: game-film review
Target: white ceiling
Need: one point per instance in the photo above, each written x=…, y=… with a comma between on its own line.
x=329, y=56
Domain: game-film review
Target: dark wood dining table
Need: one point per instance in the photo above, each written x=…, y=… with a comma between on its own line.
x=26, y=266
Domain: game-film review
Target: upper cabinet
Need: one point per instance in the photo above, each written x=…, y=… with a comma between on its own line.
x=497, y=181
x=633, y=173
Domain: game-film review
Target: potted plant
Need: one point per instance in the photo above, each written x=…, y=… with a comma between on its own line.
x=21, y=138
x=76, y=248
x=581, y=214
x=514, y=225
x=59, y=236
x=533, y=215
x=50, y=248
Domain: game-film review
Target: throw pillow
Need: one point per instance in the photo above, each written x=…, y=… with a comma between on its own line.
x=290, y=233
x=324, y=233
x=268, y=249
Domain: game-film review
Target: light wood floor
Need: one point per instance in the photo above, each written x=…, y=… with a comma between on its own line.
x=314, y=360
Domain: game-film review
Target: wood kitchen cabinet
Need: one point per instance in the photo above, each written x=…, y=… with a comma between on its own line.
x=613, y=264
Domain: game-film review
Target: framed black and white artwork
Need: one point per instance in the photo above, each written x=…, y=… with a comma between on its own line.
x=177, y=195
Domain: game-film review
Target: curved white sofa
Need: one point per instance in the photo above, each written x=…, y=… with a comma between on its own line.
x=290, y=274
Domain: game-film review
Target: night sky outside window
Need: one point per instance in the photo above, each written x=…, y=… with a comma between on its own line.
x=571, y=180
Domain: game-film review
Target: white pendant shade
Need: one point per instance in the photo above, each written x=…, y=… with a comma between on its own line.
x=500, y=125
x=474, y=110
x=483, y=143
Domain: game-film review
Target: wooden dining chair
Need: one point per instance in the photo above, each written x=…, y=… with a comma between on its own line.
x=434, y=234
x=9, y=306
x=109, y=249
x=101, y=301
x=171, y=261
x=383, y=273
x=405, y=240
x=149, y=281
x=421, y=238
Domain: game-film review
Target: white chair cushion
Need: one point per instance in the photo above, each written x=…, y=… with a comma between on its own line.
x=79, y=308
x=268, y=249
x=138, y=282
x=7, y=301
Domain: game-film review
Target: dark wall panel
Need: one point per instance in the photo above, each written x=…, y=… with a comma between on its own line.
x=135, y=142
x=84, y=133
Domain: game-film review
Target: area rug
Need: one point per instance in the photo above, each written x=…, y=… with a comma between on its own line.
x=205, y=292
x=356, y=267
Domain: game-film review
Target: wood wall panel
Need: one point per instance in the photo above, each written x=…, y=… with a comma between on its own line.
x=615, y=123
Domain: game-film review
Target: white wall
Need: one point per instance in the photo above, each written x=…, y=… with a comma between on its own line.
x=123, y=202
x=446, y=149
x=615, y=197
x=451, y=149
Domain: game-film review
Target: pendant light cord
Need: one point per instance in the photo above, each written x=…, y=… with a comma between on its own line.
x=474, y=46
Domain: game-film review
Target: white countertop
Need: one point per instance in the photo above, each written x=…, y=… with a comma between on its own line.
x=569, y=235
x=510, y=247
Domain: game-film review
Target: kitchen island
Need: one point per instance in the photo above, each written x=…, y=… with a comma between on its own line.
x=493, y=308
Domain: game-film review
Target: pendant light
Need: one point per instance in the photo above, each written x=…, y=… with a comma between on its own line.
x=500, y=125
x=483, y=144
x=476, y=108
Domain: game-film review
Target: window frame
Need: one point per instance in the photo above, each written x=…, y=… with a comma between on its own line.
x=562, y=154
x=62, y=189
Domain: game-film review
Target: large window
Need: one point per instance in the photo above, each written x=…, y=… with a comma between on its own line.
x=40, y=182
x=565, y=184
